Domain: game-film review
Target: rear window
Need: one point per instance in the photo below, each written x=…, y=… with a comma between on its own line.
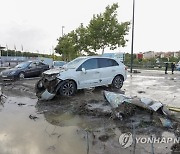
x=105, y=62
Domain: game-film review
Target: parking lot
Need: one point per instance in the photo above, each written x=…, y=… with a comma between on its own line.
x=62, y=125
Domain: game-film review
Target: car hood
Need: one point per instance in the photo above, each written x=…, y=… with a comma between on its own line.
x=55, y=71
x=9, y=70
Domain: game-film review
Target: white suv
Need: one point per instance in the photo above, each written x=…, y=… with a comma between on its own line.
x=81, y=73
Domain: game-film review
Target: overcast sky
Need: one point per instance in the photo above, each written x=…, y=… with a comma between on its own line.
x=36, y=24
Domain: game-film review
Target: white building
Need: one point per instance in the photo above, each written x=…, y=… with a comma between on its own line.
x=148, y=55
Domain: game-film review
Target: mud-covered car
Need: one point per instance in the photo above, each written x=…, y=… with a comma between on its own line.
x=81, y=73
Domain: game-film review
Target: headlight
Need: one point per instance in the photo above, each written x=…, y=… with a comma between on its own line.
x=13, y=72
x=0, y=73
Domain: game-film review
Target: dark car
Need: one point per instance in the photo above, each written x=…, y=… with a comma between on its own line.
x=25, y=69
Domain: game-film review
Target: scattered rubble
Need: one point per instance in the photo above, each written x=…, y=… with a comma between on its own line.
x=33, y=117
x=21, y=104
x=140, y=92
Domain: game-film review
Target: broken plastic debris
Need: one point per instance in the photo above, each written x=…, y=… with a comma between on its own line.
x=166, y=122
x=47, y=96
x=117, y=99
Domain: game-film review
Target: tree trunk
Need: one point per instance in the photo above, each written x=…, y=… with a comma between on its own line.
x=103, y=51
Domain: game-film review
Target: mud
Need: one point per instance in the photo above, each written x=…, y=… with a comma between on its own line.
x=85, y=123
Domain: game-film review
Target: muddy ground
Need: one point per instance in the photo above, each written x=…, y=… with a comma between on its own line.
x=84, y=123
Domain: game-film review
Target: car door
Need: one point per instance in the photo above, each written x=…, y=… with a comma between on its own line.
x=41, y=67
x=108, y=70
x=32, y=69
x=89, y=78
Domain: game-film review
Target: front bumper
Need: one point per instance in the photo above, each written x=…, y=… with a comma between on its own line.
x=8, y=77
x=46, y=88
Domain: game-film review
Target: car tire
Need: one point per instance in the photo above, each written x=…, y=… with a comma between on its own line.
x=68, y=88
x=21, y=75
x=117, y=82
x=39, y=88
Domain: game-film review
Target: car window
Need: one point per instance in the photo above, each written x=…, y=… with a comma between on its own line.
x=89, y=64
x=39, y=64
x=33, y=65
x=23, y=65
x=105, y=62
x=74, y=63
x=59, y=63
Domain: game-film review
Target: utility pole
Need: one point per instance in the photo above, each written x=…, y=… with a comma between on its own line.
x=132, y=43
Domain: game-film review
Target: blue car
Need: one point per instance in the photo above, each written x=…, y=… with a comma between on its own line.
x=23, y=70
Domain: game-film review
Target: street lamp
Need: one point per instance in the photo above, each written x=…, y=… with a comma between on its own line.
x=132, y=43
x=62, y=30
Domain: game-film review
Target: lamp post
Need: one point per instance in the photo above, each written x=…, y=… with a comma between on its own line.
x=62, y=30
x=132, y=43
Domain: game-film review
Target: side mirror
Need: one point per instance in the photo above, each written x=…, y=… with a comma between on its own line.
x=29, y=67
x=83, y=70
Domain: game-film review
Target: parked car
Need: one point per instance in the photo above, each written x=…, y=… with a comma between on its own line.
x=81, y=73
x=58, y=64
x=178, y=66
x=25, y=69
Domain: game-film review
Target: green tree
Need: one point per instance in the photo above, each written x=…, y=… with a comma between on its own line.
x=82, y=39
x=67, y=46
x=105, y=31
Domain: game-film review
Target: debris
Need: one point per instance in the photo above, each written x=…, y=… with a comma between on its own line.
x=141, y=92
x=103, y=138
x=46, y=95
x=175, y=148
x=125, y=107
x=2, y=96
x=33, y=117
x=166, y=123
x=173, y=108
x=20, y=104
x=117, y=99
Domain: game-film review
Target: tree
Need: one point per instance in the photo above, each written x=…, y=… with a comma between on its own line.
x=102, y=31
x=82, y=39
x=67, y=46
x=105, y=31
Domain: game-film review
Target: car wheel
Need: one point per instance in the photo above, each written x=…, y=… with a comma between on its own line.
x=39, y=85
x=68, y=88
x=39, y=88
x=21, y=75
x=117, y=82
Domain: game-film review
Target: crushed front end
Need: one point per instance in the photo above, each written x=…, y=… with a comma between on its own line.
x=46, y=88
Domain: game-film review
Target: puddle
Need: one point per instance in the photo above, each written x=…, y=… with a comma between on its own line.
x=20, y=135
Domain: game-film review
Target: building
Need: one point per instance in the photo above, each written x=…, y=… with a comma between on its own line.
x=149, y=55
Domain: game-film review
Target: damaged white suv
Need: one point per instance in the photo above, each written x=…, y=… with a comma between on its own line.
x=81, y=73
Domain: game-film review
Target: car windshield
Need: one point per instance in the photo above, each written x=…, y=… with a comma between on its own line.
x=74, y=63
x=22, y=65
x=59, y=63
